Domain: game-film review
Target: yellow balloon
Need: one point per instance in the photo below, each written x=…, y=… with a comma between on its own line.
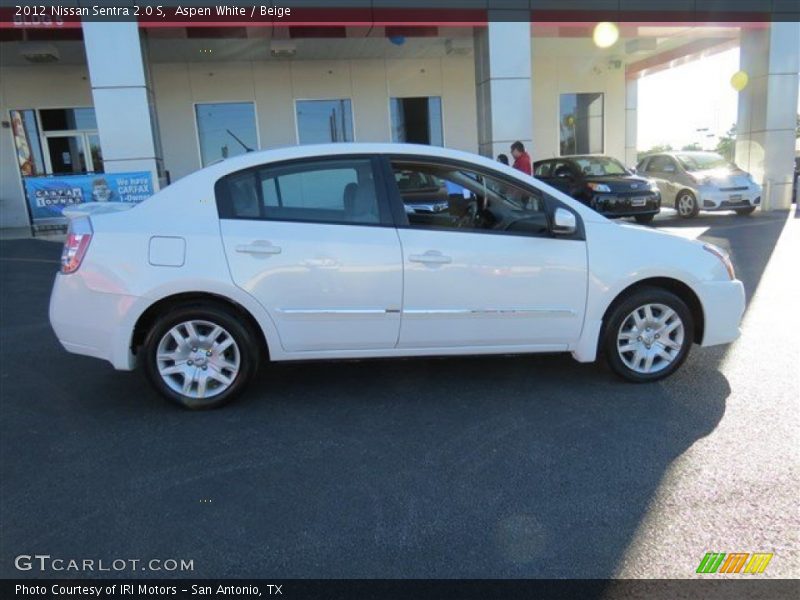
x=605, y=34
x=739, y=80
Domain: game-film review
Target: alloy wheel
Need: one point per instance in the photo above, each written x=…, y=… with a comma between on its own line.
x=198, y=359
x=686, y=205
x=650, y=338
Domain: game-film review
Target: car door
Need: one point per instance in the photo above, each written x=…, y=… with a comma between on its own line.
x=495, y=277
x=563, y=177
x=662, y=169
x=313, y=242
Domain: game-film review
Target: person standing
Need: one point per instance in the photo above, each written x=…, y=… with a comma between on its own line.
x=503, y=159
x=522, y=160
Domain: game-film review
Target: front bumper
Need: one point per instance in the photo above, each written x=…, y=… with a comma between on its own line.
x=723, y=307
x=715, y=198
x=626, y=205
x=92, y=323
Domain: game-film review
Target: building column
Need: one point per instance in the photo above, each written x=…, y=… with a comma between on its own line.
x=503, y=84
x=631, y=121
x=123, y=99
x=765, y=142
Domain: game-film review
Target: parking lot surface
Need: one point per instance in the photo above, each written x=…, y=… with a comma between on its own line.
x=524, y=466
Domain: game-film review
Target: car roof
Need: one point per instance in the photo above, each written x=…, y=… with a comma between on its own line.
x=675, y=153
x=574, y=157
x=251, y=159
x=181, y=194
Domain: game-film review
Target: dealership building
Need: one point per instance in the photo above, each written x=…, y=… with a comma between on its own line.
x=104, y=98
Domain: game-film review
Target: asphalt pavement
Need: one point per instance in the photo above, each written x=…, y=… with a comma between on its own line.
x=521, y=466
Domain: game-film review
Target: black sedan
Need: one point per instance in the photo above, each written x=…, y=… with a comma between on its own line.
x=602, y=183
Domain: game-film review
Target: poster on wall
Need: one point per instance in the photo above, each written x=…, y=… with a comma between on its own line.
x=24, y=157
x=49, y=196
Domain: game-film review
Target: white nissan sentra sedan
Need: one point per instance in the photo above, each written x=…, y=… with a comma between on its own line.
x=376, y=250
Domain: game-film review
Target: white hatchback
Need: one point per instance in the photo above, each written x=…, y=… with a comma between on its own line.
x=376, y=250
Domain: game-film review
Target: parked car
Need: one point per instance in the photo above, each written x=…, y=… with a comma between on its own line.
x=602, y=183
x=309, y=253
x=695, y=181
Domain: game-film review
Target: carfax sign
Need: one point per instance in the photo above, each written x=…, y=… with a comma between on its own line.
x=48, y=196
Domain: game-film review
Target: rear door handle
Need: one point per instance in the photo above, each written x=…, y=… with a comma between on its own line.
x=258, y=247
x=431, y=257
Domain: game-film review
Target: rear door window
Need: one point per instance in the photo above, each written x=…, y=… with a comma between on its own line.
x=324, y=191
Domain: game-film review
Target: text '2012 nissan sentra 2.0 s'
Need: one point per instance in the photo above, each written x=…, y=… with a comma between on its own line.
x=316, y=252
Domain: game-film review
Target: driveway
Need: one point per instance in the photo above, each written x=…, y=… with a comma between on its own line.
x=531, y=466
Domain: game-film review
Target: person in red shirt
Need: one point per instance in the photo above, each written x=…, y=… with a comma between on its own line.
x=522, y=160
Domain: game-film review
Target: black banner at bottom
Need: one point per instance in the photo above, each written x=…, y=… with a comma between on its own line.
x=405, y=589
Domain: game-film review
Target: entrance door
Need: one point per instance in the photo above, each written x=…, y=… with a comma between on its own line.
x=67, y=154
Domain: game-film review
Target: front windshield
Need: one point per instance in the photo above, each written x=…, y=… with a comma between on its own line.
x=702, y=162
x=600, y=166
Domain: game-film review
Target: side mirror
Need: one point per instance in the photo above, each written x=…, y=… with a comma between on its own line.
x=564, y=222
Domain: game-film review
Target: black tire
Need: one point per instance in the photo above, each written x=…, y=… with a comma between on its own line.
x=245, y=348
x=743, y=212
x=644, y=219
x=618, y=315
x=690, y=200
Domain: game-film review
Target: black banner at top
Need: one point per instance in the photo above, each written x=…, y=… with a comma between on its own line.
x=288, y=13
x=403, y=589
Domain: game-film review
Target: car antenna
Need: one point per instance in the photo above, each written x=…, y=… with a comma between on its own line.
x=234, y=136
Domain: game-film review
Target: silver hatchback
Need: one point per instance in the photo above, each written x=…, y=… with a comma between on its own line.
x=696, y=181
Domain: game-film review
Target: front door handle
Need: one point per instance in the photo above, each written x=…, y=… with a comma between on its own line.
x=258, y=247
x=431, y=257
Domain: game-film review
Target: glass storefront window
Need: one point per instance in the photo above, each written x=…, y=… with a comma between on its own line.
x=225, y=129
x=417, y=120
x=68, y=119
x=581, y=123
x=324, y=121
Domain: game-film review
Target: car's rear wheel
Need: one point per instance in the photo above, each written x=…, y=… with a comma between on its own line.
x=686, y=204
x=743, y=212
x=644, y=219
x=200, y=356
x=648, y=335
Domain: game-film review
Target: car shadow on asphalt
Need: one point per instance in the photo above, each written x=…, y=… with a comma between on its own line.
x=500, y=466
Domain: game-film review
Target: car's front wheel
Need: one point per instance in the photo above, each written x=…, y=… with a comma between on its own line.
x=686, y=205
x=200, y=356
x=648, y=335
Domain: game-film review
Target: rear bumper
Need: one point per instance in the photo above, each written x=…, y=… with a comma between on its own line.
x=90, y=323
x=723, y=304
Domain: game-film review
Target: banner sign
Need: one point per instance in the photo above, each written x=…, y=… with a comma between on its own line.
x=48, y=196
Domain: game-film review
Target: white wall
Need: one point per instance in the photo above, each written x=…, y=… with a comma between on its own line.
x=274, y=86
x=555, y=74
x=35, y=86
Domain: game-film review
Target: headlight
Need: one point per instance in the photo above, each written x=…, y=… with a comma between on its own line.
x=598, y=187
x=653, y=186
x=723, y=257
x=702, y=180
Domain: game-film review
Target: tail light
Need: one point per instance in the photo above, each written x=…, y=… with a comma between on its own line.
x=79, y=235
